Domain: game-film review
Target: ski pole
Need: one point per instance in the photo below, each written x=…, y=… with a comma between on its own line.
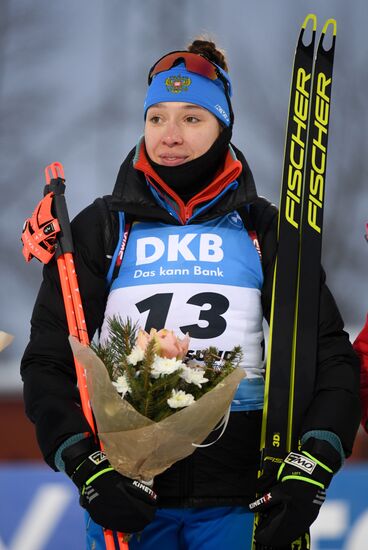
x=55, y=182
x=54, y=174
x=54, y=237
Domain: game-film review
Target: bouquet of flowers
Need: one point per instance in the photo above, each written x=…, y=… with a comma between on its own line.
x=151, y=403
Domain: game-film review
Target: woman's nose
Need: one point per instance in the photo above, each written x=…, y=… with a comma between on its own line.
x=172, y=136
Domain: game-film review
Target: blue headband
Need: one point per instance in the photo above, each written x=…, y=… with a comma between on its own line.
x=178, y=84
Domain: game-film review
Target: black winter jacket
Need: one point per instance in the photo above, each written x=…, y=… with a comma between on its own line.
x=224, y=473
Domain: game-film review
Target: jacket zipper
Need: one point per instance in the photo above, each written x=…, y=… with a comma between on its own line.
x=185, y=210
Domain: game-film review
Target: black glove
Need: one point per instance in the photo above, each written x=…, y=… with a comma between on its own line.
x=112, y=500
x=290, y=506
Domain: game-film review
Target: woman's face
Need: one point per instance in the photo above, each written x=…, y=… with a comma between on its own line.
x=176, y=133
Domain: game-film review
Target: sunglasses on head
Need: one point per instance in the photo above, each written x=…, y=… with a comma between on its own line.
x=194, y=63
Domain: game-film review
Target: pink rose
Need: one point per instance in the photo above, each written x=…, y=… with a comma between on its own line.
x=143, y=338
x=170, y=346
x=167, y=343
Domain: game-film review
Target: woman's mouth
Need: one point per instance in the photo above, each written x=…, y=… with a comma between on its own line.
x=172, y=160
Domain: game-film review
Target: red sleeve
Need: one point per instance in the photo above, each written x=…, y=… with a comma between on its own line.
x=361, y=347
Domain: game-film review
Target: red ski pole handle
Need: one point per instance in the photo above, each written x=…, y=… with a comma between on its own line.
x=55, y=184
x=53, y=171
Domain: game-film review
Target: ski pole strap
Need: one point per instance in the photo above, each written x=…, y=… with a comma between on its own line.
x=47, y=232
x=40, y=232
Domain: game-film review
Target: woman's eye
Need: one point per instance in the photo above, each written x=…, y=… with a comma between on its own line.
x=192, y=119
x=155, y=119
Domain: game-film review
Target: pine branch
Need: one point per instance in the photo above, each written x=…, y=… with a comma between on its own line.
x=108, y=359
x=160, y=392
x=147, y=362
x=122, y=336
x=164, y=412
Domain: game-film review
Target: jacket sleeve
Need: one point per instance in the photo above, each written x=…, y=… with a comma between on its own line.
x=335, y=405
x=51, y=395
x=361, y=347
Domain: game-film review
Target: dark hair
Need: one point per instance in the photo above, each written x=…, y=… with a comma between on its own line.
x=208, y=48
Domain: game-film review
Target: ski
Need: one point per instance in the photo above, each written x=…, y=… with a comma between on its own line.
x=307, y=313
x=292, y=347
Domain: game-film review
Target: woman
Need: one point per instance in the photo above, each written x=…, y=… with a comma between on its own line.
x=361, y=347
x=191, y=266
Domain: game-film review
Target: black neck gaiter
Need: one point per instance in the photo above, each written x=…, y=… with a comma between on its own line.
x=190, y=178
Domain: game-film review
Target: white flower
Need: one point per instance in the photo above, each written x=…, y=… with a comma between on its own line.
x=180, y=399
x=193, y=376
x=122, y=385
x=162, y=366
x=137, y=354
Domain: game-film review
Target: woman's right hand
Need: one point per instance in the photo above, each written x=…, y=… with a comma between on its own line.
x=113, y=501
